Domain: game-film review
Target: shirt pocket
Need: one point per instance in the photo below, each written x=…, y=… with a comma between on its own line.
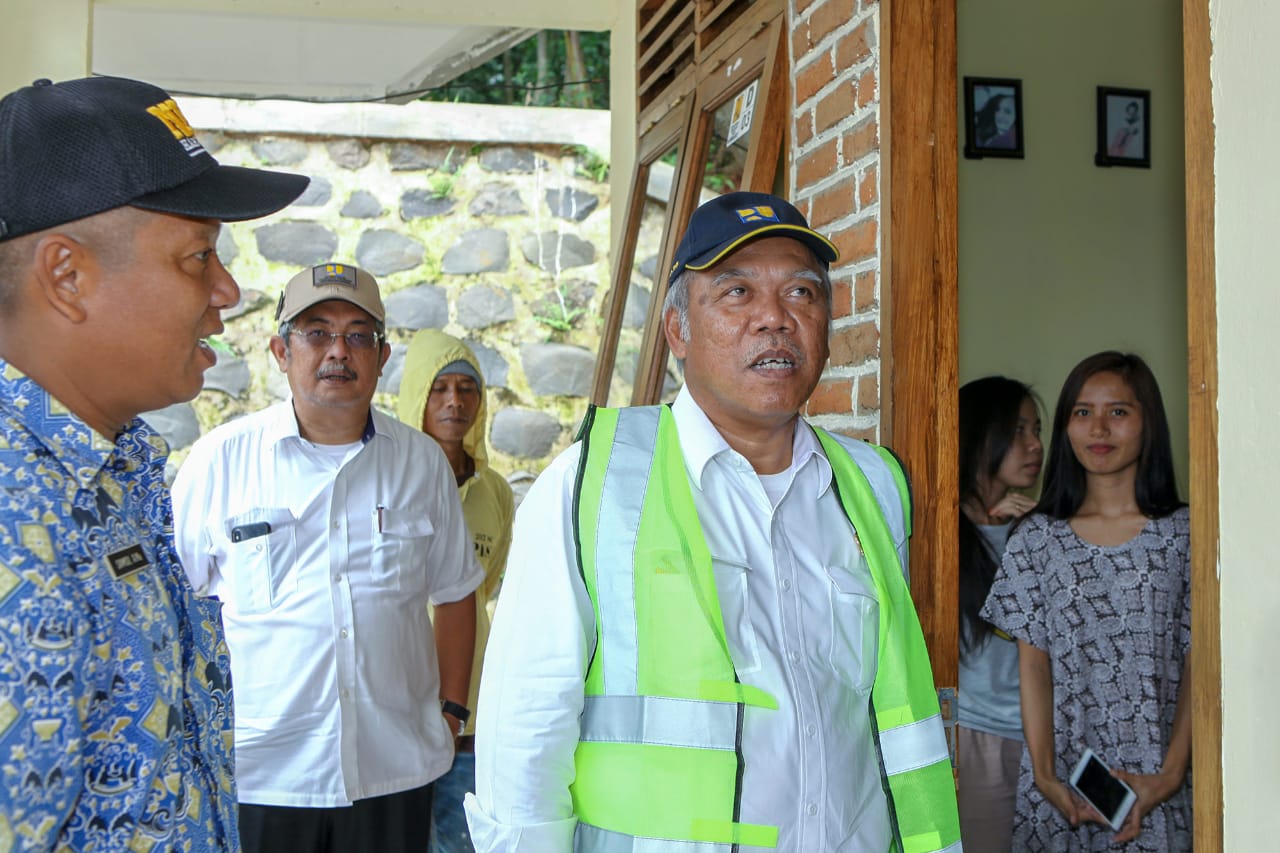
x=735, y=610
x=261, y=569
x=403, y=539
x=855, y=625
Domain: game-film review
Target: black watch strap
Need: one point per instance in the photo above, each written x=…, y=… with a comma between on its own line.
x=448, y=706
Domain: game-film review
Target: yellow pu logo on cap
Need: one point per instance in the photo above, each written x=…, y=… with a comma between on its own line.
x=172, y=117
x=759, y=213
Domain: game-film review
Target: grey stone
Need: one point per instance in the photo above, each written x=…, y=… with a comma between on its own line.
x=411, y=156
x=423, y=306
x=348, y=153
x=524, y=433
x=504, y=158
x=274, y=151
x=421, y=204
x=483, y=306
x=520, y=481
x=649, y=266
x=317, y=193
x=479, y=250
x=177, y=423
x=226, y=247
x=382, y=252
x=250, y=300
x=637, y=309
x=230, y=375
x=212, y=140
x=497, y=199
x=300, y=243
x=493, y=367
x=554, y=251
x=362, y=205
x=392, y=371
x=570, y=203
x=558, y=369
x=566, y=303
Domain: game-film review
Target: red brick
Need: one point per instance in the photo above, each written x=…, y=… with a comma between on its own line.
x=829, y=17
x=868, y=394
x=836, y=106
x=816, y=165
x=813, y=77
x=841, y=298
x=864, y=291
x=803, y=128
x=832, y=396
x=863, y=139
x=801, y=5
x=855, y=345
x=855, y=47
x=858, y=242
x=868, y=188
x=832, y=204
x=866, y=88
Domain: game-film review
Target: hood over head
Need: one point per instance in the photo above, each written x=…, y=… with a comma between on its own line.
x=430, y=351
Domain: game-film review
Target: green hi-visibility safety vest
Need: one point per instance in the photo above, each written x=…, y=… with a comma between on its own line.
x=658, y=763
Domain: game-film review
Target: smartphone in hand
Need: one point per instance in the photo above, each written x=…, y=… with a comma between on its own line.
x=1112, y=798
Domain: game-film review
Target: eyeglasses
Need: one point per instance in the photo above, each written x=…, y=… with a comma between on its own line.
x=322, y=339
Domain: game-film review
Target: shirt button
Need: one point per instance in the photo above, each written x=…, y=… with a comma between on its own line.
x=343, y=633
x=811, y=809
x=786, y=583
x=811, y=730
x=337, y=578
x=794, y=657
x=337, y=524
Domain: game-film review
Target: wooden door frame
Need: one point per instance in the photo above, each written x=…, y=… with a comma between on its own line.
x=919, y=274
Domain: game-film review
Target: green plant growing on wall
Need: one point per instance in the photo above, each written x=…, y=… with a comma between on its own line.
x=443, y=181
x=591, y=163
x=561, y=317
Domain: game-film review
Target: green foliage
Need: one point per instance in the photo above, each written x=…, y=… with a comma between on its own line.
x=562, y=318
x=513, y=77
x=442, y=182
x=591, y=163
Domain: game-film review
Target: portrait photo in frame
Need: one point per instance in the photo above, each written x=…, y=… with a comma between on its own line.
x=1124, y=127
x=993, y=118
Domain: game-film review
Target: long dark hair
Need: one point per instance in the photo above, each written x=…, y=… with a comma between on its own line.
x=989, y=410
x=1155, y=488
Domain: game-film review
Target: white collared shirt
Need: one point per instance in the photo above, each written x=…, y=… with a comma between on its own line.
x=801, y=618
x=333, y=659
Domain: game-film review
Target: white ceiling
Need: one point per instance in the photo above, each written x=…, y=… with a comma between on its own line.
x=234, y=54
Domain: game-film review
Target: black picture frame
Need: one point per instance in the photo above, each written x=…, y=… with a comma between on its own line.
x=1124, y=127
x=987, y=128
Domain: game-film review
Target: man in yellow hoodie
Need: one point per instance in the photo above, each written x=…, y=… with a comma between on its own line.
x=442, y=393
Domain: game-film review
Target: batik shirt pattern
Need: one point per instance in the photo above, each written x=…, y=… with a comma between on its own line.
x=115, y=702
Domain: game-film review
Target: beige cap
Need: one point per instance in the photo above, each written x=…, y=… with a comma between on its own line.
x=330, y=281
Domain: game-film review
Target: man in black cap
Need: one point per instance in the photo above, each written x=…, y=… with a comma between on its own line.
x=704, y=637
x=114, y=679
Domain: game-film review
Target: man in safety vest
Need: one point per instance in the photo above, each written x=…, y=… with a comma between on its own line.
x=705, y=640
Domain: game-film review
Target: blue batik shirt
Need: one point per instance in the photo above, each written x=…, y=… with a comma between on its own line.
x=115, y=697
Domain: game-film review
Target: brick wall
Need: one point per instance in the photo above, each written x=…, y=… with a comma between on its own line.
x=835, y=176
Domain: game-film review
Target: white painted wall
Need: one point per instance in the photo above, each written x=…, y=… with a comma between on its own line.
x=1247, y=209
x=43, y=39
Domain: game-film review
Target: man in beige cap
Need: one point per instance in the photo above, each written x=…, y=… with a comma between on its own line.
x=326, y=527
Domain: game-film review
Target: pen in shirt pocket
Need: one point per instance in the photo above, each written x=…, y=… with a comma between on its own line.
x=380, y=510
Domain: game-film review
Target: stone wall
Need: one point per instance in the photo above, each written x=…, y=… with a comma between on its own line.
x=503, y=245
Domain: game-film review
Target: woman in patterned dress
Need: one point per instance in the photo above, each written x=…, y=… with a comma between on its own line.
x=1095, y=587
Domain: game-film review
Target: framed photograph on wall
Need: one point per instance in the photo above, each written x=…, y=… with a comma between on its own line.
x=992, y=117
x=1124, y=125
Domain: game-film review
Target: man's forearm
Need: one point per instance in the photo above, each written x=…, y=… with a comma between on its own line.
x=455, y=634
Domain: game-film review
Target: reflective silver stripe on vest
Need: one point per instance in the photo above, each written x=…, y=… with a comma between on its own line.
x=913, y=746
x=620, y=507
x=593, y=839
x=952, y=848
x=659, y=720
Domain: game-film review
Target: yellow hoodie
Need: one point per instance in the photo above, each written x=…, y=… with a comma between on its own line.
x=486, y=498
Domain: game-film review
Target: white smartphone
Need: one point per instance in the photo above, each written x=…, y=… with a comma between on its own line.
x=1112, y=798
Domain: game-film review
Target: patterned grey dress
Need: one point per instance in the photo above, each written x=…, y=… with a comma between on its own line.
x=1116, y=623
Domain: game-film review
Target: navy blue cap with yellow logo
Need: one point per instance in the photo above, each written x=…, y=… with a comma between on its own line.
x=726, y=222
x=72, y=149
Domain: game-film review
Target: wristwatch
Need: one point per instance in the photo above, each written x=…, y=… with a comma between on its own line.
x=452, y=708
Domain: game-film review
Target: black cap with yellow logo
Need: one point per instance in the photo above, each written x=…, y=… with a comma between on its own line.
x=70, y=150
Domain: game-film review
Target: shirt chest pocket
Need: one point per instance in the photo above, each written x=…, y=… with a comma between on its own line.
x=403, y=539
x=855, y=625
x=261, y=568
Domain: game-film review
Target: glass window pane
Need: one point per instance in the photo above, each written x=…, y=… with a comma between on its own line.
x=726, y=162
